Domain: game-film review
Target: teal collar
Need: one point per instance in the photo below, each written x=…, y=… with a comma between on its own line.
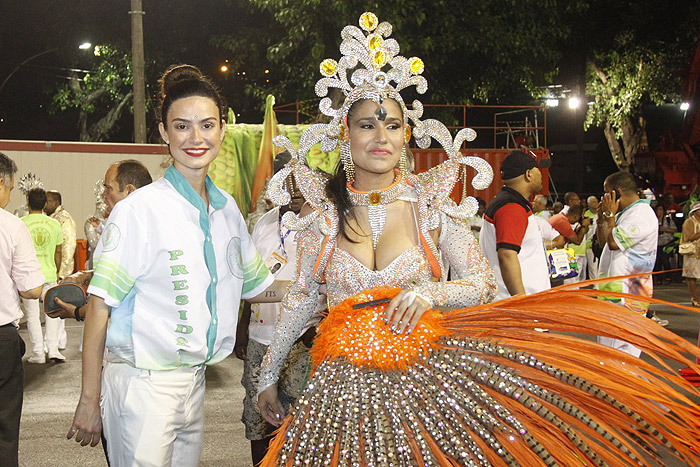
x=182, y=186
x=641, y=200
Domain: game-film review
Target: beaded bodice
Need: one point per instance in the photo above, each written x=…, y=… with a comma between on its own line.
x=346, y=276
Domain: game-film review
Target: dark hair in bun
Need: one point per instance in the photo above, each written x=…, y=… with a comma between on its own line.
x=180, y=81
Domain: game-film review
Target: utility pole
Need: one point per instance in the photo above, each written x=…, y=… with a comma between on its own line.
x=138, y=67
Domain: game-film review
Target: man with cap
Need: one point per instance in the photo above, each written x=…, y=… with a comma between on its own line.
x=510, y=238
x=628, y=232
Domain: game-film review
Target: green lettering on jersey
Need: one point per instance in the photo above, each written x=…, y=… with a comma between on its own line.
x=181, y=285
x=175, y=254
x=184, y=329
x=178, y=269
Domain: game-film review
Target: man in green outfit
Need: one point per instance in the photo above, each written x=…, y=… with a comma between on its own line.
x=48, y=239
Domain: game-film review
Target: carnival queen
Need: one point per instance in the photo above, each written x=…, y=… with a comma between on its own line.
x=397, y=379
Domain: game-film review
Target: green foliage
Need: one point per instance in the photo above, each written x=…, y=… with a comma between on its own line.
x=102, y=95
x=474, y=50
x=623, y=79
x=638, y=53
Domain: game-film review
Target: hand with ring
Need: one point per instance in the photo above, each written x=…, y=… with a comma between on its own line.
x=404, y=311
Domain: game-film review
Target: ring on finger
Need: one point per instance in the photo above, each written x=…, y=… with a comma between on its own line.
x=409, y=298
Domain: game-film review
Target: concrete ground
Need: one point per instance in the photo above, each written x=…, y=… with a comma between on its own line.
x=52, y=391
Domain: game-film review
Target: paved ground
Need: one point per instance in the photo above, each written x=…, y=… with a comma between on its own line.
x=52, y=390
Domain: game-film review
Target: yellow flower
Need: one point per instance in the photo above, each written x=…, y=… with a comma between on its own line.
x=416, y=65
x=328, y=67
x=368, y=21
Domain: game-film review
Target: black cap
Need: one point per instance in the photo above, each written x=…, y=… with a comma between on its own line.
x=517, y=163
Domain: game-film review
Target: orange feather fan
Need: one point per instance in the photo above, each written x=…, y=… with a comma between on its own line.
x=479, y=386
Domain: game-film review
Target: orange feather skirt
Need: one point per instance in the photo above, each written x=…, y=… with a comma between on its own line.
x=480, y=387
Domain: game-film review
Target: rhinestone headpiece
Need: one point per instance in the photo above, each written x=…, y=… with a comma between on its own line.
x=371, y=68
x=28, y=182
x=100, y=204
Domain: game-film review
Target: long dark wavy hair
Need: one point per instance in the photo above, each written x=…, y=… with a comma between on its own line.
x=336, y=190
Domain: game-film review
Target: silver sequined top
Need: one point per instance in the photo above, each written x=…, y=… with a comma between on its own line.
x=473, y=283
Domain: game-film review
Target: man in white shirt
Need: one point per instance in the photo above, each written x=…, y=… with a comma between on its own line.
x=628, y=232
x=20, y=276
x=121, y=179
x=539, y=207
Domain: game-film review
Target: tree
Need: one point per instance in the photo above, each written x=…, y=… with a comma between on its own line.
x=638, y=65
x=622, y=81
x=474, y=50
x=100, y=96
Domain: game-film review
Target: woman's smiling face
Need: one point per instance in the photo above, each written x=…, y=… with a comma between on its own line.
x=194, y=132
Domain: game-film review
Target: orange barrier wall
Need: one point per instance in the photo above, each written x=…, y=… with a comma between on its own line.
x=424, y=159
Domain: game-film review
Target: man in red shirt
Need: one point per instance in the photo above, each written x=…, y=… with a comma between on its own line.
x=562, y=224
x=510, y=238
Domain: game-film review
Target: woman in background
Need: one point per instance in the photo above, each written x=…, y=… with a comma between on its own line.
x=691, y=263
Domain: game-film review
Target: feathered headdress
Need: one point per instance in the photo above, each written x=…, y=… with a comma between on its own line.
x=100, y=205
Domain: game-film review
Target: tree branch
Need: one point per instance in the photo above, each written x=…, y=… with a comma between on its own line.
x=613, y=145
x=599, y=73
x=101, y=129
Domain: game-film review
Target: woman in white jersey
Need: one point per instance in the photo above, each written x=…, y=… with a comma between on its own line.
x=172, y=265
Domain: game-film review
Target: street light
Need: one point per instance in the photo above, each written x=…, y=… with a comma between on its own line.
x=685, y=106
x=85, y=46
x=574, y=102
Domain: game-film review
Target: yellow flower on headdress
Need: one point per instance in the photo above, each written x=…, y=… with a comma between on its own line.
x=375, y=41
x=379, y=59
x=368, y=21
x=328, y=67
x=416, y=65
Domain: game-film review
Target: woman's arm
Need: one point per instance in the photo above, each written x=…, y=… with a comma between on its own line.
x=473, y=281
x=87, y=424
x=298, y=305
x=690, y=232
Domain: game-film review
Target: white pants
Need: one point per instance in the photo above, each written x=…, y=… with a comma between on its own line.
x=152, y=418
x=620, y=345
x=32, y=310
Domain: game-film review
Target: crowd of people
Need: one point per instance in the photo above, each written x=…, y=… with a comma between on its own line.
x=382, y=322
